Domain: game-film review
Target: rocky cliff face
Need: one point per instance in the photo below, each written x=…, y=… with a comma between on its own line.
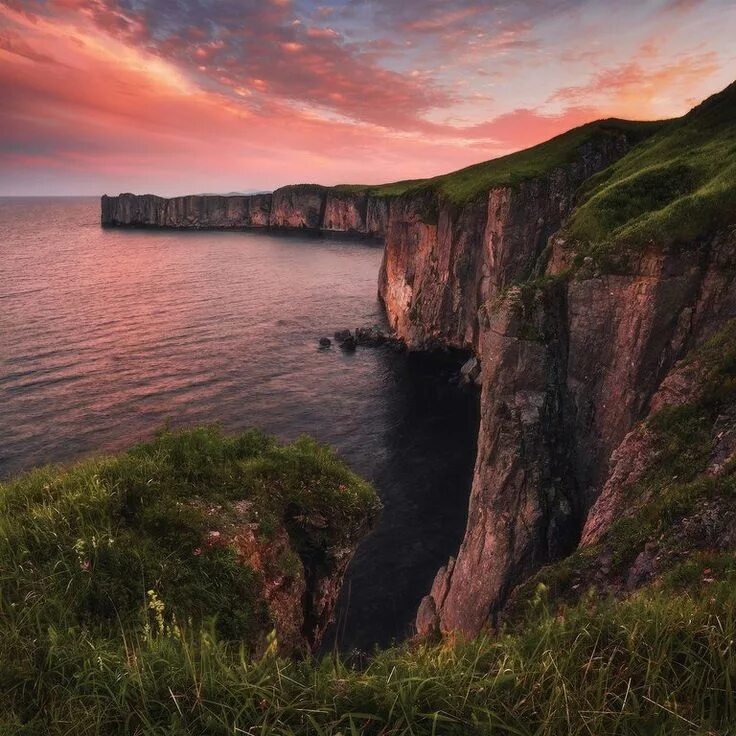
x=581, y=342
x=443, y=261
x=298, y=207
x=569, y=367
x=572, y=356
x=206, y=211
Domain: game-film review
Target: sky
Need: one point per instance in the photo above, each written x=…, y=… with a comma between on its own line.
x=183, y=96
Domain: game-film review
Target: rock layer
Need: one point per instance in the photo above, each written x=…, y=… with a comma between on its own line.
x=442, y=262
x=569, y=365
x=299, y=207
x=568, y=369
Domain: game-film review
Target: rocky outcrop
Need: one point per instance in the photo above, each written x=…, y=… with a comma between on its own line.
x=299, y=588
x=299, y=207
x=195, y=211
x=443, y=261
x=569, y=367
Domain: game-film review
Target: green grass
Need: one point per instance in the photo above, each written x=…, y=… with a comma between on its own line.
x=466, y=184
x=651, y=665
x=92, y=546
x=677, y=186
x=162, y=663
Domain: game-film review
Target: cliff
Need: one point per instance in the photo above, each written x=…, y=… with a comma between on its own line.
x=177, y=533
x=578, y=335
x=581, y=273
x=299, y=207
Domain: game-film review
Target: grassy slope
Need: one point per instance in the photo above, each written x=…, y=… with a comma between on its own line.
x=661, y=662
x=678, y=185
x=466, y=184
x=81, y=549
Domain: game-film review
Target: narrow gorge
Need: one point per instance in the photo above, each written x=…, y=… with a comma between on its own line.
x=579, y=276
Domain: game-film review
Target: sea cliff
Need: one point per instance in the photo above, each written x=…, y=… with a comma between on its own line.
x=298, y=207
x=583, y=304
x=583, y=274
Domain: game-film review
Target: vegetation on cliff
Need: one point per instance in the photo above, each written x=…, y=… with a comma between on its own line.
x=654, y=664
x=673, y=527
x=228, y=537
x=466, y=184
x=677, y=186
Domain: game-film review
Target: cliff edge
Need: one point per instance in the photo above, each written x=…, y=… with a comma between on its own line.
x=579, y=336
x=582, y=273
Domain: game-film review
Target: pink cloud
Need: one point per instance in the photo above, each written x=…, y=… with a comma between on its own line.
x=632, y=88
x=247, y=94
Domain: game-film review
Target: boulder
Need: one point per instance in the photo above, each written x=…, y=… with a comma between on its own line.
x=370, y=336
x=470, y=371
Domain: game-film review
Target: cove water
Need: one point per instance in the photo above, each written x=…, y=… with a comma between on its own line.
x=106, y=335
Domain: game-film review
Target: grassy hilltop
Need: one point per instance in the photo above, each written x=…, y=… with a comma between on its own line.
x=462, y=186
x=677, y=186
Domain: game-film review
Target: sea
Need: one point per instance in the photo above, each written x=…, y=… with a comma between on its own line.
x=107, y=335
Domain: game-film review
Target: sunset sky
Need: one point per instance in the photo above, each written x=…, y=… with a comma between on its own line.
x=179, y=96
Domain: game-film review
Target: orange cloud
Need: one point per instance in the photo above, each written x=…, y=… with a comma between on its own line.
x=98, y=96
x=633, y=90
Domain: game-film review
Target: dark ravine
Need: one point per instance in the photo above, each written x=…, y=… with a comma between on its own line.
x=571, y=354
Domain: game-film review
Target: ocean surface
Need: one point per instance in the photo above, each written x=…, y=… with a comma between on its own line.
x=106, y=335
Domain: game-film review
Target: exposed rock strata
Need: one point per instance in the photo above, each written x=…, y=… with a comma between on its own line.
x=568, y=370
x=569, y=366
x=442, y=262
x=300, y=207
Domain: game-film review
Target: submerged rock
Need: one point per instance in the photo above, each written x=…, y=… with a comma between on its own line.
x=325, y=342
x=346, y=340
x=349, y=344
x=370, y=336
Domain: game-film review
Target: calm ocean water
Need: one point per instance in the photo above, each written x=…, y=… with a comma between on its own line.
x=105, y=335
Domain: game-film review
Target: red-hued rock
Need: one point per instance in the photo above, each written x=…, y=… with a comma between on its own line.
x=564, y=392
x=442, y=262
x=194, y=211
x=345, y=212
x=298, y=207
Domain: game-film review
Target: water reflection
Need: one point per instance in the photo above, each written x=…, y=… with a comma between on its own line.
x=105, y=335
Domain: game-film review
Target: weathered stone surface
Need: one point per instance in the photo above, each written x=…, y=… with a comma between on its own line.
x=443, y=262
x=567, y=374
x=345, y=212
x=206, y=211
x=298, y=207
